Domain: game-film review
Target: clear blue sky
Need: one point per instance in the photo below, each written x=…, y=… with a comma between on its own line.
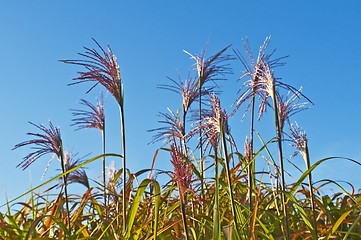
x=321, y=37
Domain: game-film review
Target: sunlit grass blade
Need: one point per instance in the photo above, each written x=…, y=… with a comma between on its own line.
x=307, y=172
x=135, y=204
x=61, y=175
x=340, y=220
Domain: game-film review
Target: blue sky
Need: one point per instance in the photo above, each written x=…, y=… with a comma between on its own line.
x=321, y=37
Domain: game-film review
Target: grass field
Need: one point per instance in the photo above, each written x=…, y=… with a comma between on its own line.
x=215, y=189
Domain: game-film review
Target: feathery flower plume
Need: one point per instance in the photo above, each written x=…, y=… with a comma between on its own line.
x=254, y=70
x=247, y=150
x=94, y=118
x=268, y=85
x=47, y=142
x=189, y=90
x=210, y=69
x=299, y=140
x=173, y=128
x=77, y=176
x=289, y=105
x=214, y=121
x=111, y=173
x=101, y=68
x=182, y=170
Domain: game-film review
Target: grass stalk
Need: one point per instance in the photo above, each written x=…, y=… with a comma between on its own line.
x=103, y=169
x=200, y=138
x=229, y=179
x=63, y=168
x=307, y=161
x=124, y=202
x=201, y=157
x=184, y=148
x=216, y=210
x=280, y=154
x=251, y=166
x=183, y=200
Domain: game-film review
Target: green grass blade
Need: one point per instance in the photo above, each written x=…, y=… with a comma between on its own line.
x=133, y=210
x=306, y=173
x=341, y=219
x=63, y=174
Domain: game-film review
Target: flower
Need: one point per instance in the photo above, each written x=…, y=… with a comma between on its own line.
x=182, y=170
x=77, y=176
x=266, y=86
x=47, y=142
x=247, y=150
x=255, y=70
x=90, y=119
x=299, y=140
x=111, y=174
x=210, y=68
x=100, y=68
x=189, y=90
x=173, y=128
x=288, y=106
x=213, y=121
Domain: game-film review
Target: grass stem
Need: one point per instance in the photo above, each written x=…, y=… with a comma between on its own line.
x=280, y=154
x=307, y=160
x=124, y=202
x=63, y=168
x=103, y=170
x=229, y=179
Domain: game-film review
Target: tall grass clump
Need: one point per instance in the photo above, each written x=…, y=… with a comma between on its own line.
x=48, y=141
x=254, y=72
x=208, y=69
x=102, y=68
x=214, y=190
x=93, y=118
